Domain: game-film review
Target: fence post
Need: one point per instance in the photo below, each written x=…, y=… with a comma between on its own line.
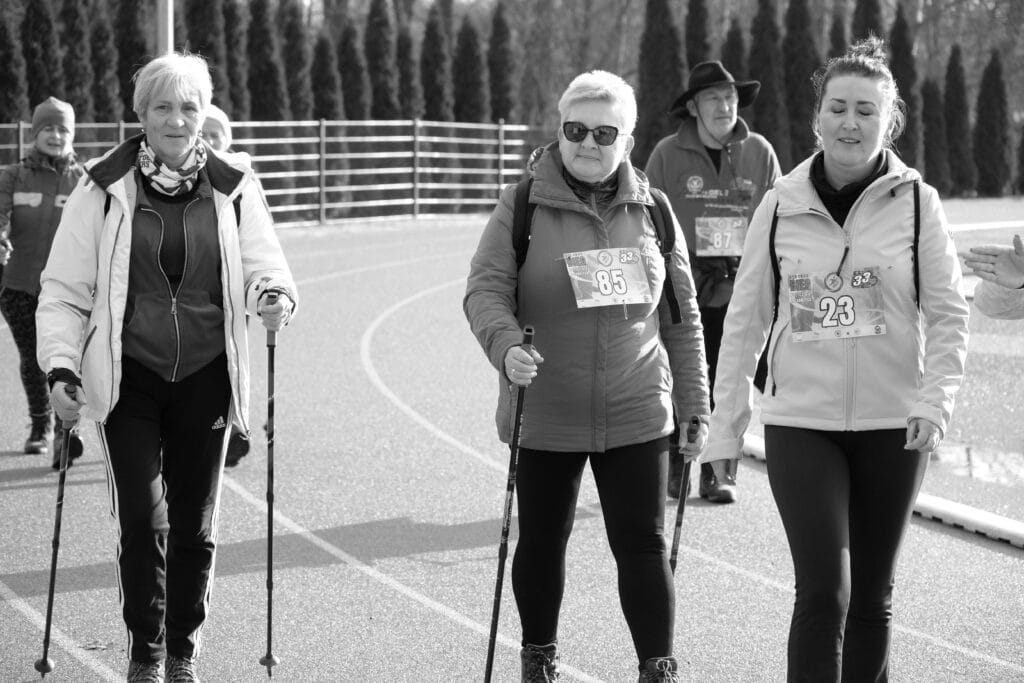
x=501, y=153
x=323, y=171
x=21, y=140
x=415, y=168
x=120, y=131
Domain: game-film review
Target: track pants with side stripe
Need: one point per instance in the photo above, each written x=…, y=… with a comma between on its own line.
x=164, y=444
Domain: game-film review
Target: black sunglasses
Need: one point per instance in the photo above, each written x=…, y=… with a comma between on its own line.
x=575, y=131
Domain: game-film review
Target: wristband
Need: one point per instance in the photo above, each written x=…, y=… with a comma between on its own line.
x=62, y=375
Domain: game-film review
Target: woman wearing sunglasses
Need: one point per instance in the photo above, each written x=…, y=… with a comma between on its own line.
x=608, y=366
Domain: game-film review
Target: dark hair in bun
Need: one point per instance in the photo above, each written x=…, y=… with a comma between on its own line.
x=866, y=58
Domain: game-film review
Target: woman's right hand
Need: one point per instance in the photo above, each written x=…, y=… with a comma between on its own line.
x=521, y=365
x=64, y=399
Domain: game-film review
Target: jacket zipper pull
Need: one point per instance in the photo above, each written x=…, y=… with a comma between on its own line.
x=174, y=305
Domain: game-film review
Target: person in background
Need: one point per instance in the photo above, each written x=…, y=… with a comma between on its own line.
x=608, y=369
x=865, y=360
x=217, y=133
x=715, y=172
x=1001, y=268
x=32, y=196
x=142, y=330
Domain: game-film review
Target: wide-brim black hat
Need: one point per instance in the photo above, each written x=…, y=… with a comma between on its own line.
x=709, y=75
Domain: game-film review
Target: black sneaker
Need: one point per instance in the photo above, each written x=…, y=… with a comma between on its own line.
x=238, y=448
x=39, y=436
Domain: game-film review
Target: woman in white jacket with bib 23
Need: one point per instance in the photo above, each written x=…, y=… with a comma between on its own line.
x=866, y=356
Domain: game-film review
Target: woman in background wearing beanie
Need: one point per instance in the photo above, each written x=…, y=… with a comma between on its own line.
x=32, y=196
x=164, y=247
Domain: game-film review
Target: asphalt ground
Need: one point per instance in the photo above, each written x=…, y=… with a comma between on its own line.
x=390, y=483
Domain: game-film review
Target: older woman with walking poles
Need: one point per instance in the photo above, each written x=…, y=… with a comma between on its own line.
x=161, y=251
x=617, y=345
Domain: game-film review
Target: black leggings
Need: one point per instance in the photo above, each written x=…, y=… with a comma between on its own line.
x=631, y=483
x=19, y=310
x=845, y=499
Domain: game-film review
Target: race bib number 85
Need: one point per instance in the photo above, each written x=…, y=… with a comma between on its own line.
x=606, y=277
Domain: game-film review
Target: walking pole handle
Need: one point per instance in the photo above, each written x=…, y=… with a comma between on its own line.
x=271, y=298
x=528, y=337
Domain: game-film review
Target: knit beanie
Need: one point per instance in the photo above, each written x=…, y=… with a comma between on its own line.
x=215, y=113
x=52, y=112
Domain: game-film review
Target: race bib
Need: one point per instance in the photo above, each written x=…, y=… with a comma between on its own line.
x=826, y=306
x=720, y=235
x=606, y=277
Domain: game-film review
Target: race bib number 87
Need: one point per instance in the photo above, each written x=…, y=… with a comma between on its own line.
x=606, y=277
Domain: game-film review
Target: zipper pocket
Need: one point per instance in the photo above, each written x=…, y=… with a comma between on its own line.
x=773, y=346
x=88, y=340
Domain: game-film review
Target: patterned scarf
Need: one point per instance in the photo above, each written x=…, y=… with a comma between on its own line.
x=167, y=181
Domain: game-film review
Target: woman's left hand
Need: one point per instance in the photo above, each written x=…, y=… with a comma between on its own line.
x=922, y=435
x=275, y=312
x=696, y=439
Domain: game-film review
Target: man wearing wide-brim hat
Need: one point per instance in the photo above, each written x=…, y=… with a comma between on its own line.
x=715, y=172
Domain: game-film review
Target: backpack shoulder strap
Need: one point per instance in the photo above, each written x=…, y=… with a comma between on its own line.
x=661, y=214
x=776, y=275
x=522, y=218
x=917, y=242
x=237, y=203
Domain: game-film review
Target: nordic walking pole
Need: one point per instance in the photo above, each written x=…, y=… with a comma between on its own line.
x=506, y=521
x=44, y=664
x=269, y=660
x=692, y=430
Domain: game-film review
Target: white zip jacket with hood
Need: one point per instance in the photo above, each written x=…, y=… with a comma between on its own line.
x=858, y=383
x=85, y=282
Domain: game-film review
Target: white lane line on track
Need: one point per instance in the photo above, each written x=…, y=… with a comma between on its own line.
x=365, y=346
x=57, y=637
x=383, y=578
x=991, y=225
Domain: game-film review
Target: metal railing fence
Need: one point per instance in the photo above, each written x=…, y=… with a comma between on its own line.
x=316, y=172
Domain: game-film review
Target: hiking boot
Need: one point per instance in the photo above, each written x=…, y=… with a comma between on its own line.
x=238, y=448
x=39, y=434
x=75, y=447
x=659, y=669
x=181, y=670
x=146, y=672
x=540, y=663
x=718, y=481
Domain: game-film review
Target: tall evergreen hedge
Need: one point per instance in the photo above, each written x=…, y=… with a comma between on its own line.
x=14, y=104
x=381, y=60
x=77, y=63
x=236, y=52
x=40, y=45
x=410, y=87
x=800, y=60
x=469, y=76
x=660, y=79
x=267, y=90
x=734, y=50
x=769, y=111
x=867, y=20
x=904, y=71
x=1019, y=186
x=436, y=69
x=958, y=127
x=297, y=53
x=992, y=131
x=327, y=99
x=696, y=40
x=131, y=26
x=107, y=103
x=205, y=22
x=933, y=129
x=355, y=81
x=501, y=66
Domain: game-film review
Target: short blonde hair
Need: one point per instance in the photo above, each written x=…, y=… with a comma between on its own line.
x=215, y=113
x=181, y=72
x=603, y=86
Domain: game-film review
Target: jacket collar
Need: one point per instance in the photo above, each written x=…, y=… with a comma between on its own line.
x=118, y=162
x=796, y=193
